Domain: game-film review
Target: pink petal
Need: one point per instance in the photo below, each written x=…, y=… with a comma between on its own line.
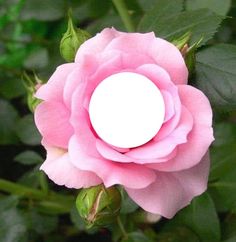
x=197, y=103
x=169, y=58
x=194, y=180
x=110, y=63
x=138, y=59
x=162, y=80
x=79, y=75
x=53, y=89
x=81, y=123
x=132, y=43
x=162, y=148
x=172, y=191
x=96, y=44
x=109, y=153
x=158, y=75
x=169, y=105
x=201, y=136
x=111, y=173
x=59, y=169
x=121, y=150
x=161, y=51
x=52, y=121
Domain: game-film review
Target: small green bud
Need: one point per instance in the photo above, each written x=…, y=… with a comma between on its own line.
x=71, y=40
x=31, y=85
x=189, y=55
x=99, y=206
x=188, y=52
x=182, y=40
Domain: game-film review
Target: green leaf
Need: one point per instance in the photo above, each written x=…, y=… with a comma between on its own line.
x=47, y=10
x=222, y=161
x=41, y=223
x=229, y=226
x=225, y=133
x=201, y=217
x=177, y=234
x=30, y=178
x=223, y=177
x=218, y=6
x=12, y=224
x=233, y=239
x=8, y=119
x=111, y=19
x=77, y=220
x=200, y=23
x=147, y=5
x=127, y=205
x=216, y=74
x=161, y=10
x=136, y=237
x=8, y=202
x=95, y=8
x=223, y=153
x=27, y=131
x=13, y=59
x=37, y=59
x=29, y=157
x=11, y=88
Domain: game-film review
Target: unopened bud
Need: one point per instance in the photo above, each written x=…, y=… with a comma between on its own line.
x=99, y=206
x=32, y=84
x=190, y=56
x=188, y=52
x=182, y=40
x=71, y=40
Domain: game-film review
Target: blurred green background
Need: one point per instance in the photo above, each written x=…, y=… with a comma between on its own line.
x=30, y=33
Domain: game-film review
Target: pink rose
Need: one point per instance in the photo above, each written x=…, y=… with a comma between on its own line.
x=161, y=176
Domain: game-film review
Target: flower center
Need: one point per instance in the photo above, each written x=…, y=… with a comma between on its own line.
x=126, y=110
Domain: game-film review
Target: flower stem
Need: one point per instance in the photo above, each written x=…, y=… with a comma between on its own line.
x=121, y=226
x=45, y=200
x=124, y=14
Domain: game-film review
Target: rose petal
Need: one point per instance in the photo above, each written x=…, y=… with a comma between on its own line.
x=110, y=64
x=109, y=153
x=53, y=89
x=96, y=44
x=81, y=123
x=169, y=58
x=169, y=105
x=162, y=80
x=79, y=75
x=59, y=169
x=131, y=43
x=201, y=136
x=111, y=173
x=52, y=121
x=164, y=147
x=161, y=51
x=172, y=191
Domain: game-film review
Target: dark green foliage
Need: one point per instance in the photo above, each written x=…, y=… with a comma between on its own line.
x=216, y=74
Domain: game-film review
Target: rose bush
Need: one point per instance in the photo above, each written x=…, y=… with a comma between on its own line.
x=161, y=176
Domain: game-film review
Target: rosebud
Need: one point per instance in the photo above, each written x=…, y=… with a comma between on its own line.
x=182, y=40
x=99, y=206
x=188, y=52
x=71, y=40
x=189, y=55
x=31, y=85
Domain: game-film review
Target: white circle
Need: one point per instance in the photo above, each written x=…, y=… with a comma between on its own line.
x=126, y=110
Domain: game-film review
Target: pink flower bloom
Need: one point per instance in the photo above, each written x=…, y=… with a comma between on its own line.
x=163, y=175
